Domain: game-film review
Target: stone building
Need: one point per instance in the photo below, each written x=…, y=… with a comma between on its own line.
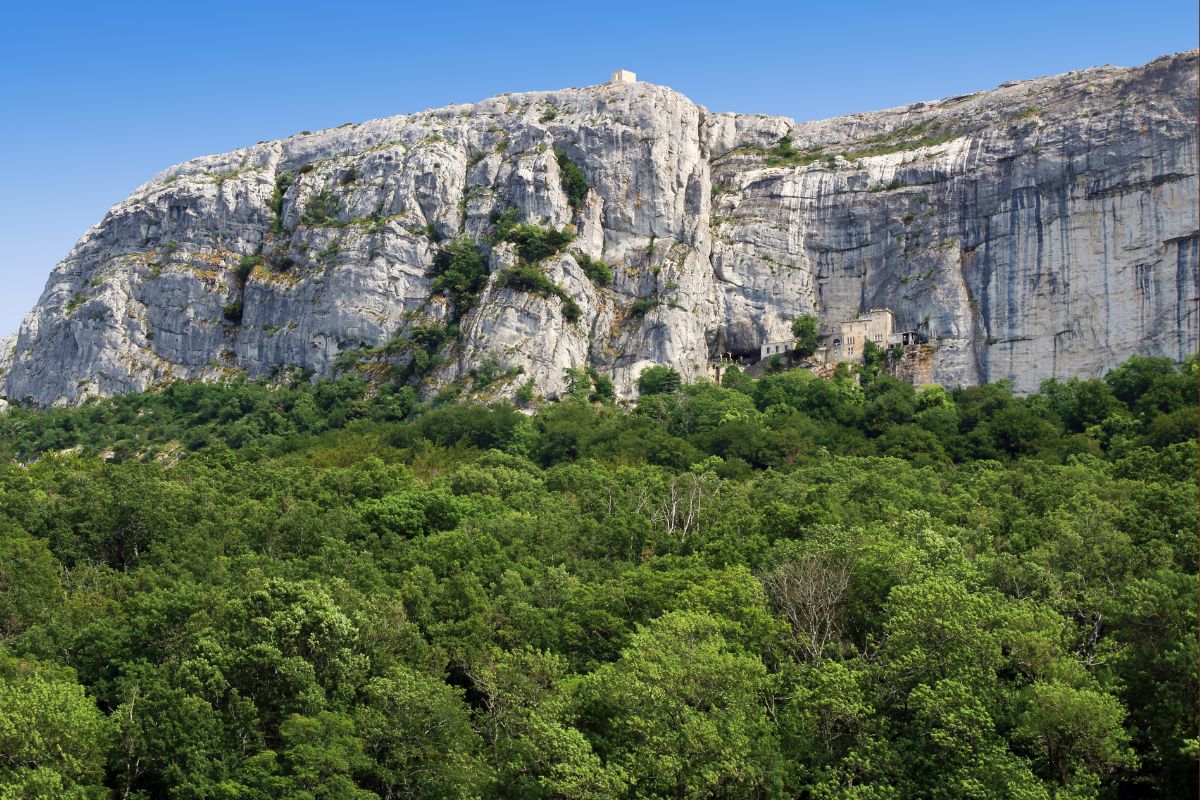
x=877, y=325
x=768, y=349
x=623, y=76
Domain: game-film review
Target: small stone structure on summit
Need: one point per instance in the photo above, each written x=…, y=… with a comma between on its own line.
x=623, y=76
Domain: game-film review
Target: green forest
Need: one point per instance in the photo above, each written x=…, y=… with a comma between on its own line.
x=782, y=587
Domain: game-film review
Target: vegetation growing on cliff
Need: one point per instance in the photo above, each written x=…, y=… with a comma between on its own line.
x=322, y=209
x=782, y=587
x=283, y=182
x=574, y=181
x=596, y=270
x=535, y=242
x=530, y=278
x=459, y=272
x=785, y=154
x=460, y=266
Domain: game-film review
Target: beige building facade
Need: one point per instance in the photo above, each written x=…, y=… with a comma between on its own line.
x=877, y=326
x=848, y=340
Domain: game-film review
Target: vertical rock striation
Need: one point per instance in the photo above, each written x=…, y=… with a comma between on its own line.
x=1047, y=228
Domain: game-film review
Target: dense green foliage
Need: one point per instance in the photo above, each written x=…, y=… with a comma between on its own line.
x=574, y=182
x=595, y=269
x=459, y=273
x=806, y=330
x=322, y=209
x=785, y=154
x=283, y=182
x=777, y=588
x=535, y=242
x=245, y=266
x=530, y=278
x=460, y=267
x=405, y=359
x=233, y=311
x=659, y=380
x=643, y=306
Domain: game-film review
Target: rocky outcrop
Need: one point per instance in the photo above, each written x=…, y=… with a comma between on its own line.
x=1047, y=228
x=7, y=346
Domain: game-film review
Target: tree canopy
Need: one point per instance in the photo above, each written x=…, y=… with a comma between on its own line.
x=806, y=329
x=773, y=588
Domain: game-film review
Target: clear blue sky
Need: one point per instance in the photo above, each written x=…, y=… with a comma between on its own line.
x=98, y=96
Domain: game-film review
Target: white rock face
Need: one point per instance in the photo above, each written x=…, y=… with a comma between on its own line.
x=1047, y=228
x=7, y=346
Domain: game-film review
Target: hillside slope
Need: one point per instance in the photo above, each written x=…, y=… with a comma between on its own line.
x=1047, y=228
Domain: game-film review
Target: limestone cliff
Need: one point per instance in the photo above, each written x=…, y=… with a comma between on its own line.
x=1046, y=228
